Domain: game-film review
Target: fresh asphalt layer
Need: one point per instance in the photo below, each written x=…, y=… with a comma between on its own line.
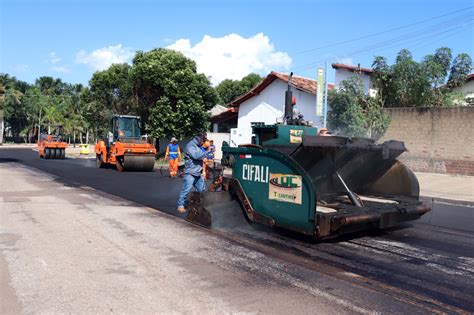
x=431, y=260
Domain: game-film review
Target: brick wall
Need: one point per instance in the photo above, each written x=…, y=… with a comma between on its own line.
x=439, y=140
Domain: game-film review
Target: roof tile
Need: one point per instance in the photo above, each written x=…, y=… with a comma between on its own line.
x=299, y=83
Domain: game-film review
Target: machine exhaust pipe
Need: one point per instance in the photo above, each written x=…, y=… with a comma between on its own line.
x=289, y=102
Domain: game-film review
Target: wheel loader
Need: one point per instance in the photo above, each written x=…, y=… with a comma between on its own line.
x=124, y=146
x=51, y=147
x=292, y=178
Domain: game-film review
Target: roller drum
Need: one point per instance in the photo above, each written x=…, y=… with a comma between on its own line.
x=140, y=163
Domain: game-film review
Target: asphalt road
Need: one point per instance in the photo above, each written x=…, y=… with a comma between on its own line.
x=428, y=264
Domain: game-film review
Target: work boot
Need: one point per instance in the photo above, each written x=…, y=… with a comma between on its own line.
x=181, y=209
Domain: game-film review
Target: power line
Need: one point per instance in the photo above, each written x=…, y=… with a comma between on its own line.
x=444, y=37
x=384, y=32
x=401, y=40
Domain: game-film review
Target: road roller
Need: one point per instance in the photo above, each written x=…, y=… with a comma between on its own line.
x=124, y=147
x=293, y=178
x=51, y=147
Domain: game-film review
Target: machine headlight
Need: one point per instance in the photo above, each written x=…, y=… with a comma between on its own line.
x=227, y=172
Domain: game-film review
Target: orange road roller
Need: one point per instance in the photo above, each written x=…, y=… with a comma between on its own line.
x=124, y=146
x=51, y=147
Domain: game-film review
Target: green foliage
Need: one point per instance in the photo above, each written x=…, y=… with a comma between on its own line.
x=451, y=99
x=185, y=120
x=48, y=103
x=421, y=84
x=249, y=81
x=461, y=67
x=437, y=66
x=172, y=98
x=228, y=90
x=353, y=113
x=112, y=89
x=162, y=86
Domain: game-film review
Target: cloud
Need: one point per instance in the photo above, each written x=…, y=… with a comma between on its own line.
x=102, y=58
x=53, y=58
x=233, y=56
x=60, y=69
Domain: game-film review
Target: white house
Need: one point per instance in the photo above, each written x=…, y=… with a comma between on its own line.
x=344, y=72
x=265, y=103
x=467, y=89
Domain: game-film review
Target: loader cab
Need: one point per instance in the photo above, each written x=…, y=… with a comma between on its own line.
x=124, y=126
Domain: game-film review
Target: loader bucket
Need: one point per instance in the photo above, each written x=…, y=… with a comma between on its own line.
x=320, y=186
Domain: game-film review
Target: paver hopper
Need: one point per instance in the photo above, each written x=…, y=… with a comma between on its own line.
x=124, y=146
x=290, y=177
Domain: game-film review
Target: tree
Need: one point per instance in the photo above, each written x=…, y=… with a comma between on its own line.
x=462, y=66
x=404, y=55
x=171, y=97
x=94, y=113
x=409, y=85
x=436, y=67
x=50, y=86
x=381, y=79
x=112, y=88
x=249, y=81
x=12, y=92
x=50, y=102
x=353, y=113
x=421, y=84
x=34, y=103
x=228, y=90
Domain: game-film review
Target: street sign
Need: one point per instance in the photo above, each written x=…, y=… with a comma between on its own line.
x=320, y=92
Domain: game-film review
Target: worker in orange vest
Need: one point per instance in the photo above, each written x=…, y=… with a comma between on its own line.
x=324, y=132
x=209, y=160
x=205, y=147
x=173, y=153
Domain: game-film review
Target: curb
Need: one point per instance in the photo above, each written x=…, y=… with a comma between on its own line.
x=446, y=200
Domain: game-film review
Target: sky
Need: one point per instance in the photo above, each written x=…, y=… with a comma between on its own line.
x=72, y=39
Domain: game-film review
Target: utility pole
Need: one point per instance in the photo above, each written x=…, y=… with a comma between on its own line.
x=39, y=123
x=325, y=94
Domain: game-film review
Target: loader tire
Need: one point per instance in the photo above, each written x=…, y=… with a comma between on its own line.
x=53, y=153
x=58, y=153
x=63, y=154
x=47, y=153
x=99, y=162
